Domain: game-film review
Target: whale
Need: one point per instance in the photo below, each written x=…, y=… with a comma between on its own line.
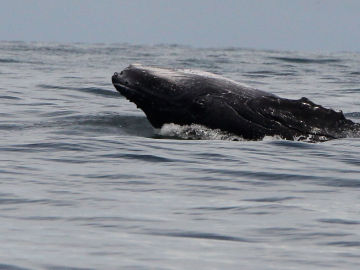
x=186, y=97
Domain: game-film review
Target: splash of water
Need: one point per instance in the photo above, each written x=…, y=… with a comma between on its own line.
x=196, y=132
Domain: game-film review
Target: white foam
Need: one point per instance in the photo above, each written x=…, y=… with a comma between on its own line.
x=196, y=132
x=199, y=132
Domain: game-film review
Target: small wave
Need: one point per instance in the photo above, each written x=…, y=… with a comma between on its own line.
x=292, y=144
x=14, y=61
x=90, y=90
x=344, y=183
x=300, y=60
x=196, y=132
x=8, y=60
x=268, y=73
x=9, y=127
x=57, y=267
x=353, y=114
x=344, y=243
x=52, y=48
x=271, y=199
x=10, y=97
x=340, y=221
x=147, y=158
x=7, y=201
x=46, y=147
x=69, y=122
x=350, y=90
x=200, y=235
x=107, y=123
x=11, y=267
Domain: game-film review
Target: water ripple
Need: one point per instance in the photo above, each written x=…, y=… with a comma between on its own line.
x=57, y=267
x=91, y=90
x=46, y=147
x=84, y=174
x=301, y=60
x=10, y=97
x=12, y=267
x=200, y=235
x=344, y=243
x=271, y=199
x=339, y=221
x=9, y=60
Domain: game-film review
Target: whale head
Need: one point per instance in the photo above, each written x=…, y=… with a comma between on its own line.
x=164, y=95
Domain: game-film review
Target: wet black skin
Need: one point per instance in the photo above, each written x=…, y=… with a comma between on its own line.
x=184, y=98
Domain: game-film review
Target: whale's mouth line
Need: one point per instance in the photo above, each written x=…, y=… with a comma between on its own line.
x=125, y=90
x=130, y=93
x=130, y=90
x=124, y=86
x=141, y=97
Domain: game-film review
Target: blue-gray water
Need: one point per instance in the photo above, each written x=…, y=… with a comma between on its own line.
x=86, y=183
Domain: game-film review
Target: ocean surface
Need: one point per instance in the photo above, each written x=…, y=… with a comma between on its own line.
x=87, y=183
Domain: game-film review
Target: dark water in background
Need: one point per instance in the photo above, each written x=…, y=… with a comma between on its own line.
x=86, y=183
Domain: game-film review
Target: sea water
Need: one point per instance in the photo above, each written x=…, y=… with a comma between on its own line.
x=87, y=183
